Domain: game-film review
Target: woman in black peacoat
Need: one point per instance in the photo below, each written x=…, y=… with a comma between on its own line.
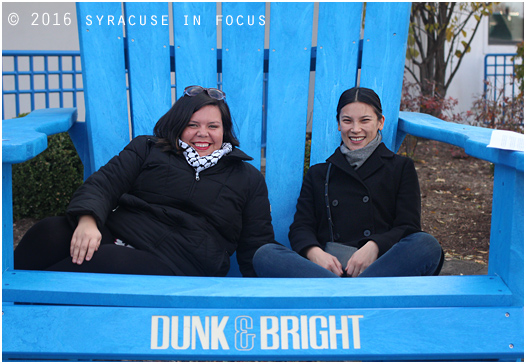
x=358, y=214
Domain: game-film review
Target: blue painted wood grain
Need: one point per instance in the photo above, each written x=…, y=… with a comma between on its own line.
x=339, y=26
x=506, y=256
x=384, y=47
x=261, y=293
x=7, y=217
x=288, y=84
x=25, y=138
x=243, y=56
x=278, y=334
x=104, y=80
x=79, y=136
x=473, y=139
x=195, y=43
x=148, y=40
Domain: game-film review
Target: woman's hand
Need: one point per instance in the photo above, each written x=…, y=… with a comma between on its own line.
x=364, y=257
x=86, y=240
x=325, y=260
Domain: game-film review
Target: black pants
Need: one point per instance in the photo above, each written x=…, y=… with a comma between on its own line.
x=46, y=247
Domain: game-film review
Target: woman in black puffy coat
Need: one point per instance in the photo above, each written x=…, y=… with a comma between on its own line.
x=180, y=202
x=358, y=214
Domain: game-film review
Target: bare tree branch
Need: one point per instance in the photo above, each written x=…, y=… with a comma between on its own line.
x=439, y=33
x=412, y=73
x=452, y=75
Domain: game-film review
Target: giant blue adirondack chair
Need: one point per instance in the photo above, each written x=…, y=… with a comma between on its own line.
x=51, y=315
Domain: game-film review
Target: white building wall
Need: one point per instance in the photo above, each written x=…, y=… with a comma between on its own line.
x=31, y=31
x=469, y=80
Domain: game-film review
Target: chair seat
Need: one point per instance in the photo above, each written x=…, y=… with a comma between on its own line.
x=257, y=293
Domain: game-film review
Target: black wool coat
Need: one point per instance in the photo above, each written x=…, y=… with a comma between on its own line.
x=152, y=200
x=380, y=201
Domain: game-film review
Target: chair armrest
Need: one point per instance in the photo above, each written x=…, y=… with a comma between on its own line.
x=473, y=139
x=24, y=138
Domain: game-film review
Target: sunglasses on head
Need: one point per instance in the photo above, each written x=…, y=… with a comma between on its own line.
x=212, y=92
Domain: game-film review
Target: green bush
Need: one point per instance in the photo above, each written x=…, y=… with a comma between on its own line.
x=44, y=185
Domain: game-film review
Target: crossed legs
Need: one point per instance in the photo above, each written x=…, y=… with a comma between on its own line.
x=418, y=254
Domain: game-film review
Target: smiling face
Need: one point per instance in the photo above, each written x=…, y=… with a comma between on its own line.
x=359, y=125
x=204, y=131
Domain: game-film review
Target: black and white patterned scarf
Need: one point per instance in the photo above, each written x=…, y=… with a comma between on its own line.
x=201, y=163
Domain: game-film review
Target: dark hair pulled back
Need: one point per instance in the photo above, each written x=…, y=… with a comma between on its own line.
x=359, y=94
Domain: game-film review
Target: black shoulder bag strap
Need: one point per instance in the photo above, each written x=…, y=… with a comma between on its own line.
x=327, y=202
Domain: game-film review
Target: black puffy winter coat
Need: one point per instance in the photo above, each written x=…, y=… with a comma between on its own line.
x=379, y=201
x=151, y=200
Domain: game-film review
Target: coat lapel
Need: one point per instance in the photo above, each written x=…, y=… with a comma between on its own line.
x=375, y=161
x=338, y=159
x=371, y=165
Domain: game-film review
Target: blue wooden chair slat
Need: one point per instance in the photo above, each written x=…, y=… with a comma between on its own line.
x=149, y=77
x=242, y=78
x=506, y=257
x=7, y=216
x=338, y=44
x=288, y=85
x=419, y=318
x=102, y=49
x=195, y=43
x=151, y=333
x=384, y=48
x=243, y=56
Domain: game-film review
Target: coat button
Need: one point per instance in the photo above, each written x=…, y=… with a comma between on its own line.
x=335, y=203
x=366, y=233
x=365, y=199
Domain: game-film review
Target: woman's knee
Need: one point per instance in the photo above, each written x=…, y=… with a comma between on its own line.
x=431, y=244
x=424, y=241
x=430, y=251
x=54, y=231
x=52, y=225
x=422, y=246
x=265, y=254
x=44, y=244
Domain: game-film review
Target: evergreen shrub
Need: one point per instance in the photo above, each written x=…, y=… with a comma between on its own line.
x=43, y=186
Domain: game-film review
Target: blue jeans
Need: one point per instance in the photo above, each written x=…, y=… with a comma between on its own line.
x=418, y=254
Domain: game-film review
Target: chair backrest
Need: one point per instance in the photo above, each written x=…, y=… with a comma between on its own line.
x=277, y=101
